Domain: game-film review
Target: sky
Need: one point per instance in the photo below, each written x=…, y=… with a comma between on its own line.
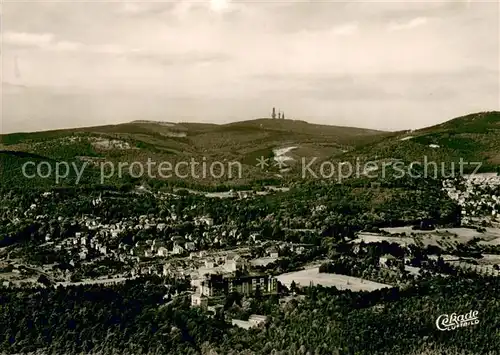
x=388, y=65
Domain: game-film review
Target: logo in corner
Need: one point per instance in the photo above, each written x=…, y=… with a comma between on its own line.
x=446, y=322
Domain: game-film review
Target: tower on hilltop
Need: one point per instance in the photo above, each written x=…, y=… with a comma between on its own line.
x=273, y=115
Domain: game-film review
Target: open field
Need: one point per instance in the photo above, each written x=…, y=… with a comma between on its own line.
x=342, y=282
x=406, y=235
x=490, y=259
x=461, y=232
x=493, y=241
x=377, y=238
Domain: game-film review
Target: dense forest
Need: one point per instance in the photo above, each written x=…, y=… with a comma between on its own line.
x=141, y=317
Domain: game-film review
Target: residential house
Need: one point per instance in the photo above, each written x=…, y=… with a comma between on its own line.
x=162, y=251
x=204, y=220
x=273, y=252
x=168, y=270
x=190, y=246
x=233, y=263
x=177, y=250
x=198, y=300
x=387, y=260
x=209, y=263
x=256, y=319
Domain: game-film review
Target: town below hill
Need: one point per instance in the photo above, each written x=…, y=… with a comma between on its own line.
x=143, y=270
x=274, y=263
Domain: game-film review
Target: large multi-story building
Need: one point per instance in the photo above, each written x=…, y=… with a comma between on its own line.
x=220, y=285
x=215, y=287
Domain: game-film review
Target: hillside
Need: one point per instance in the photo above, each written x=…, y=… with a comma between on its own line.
x=139, y=141
x=476, y=122
x=249, y=130
x=472, y=138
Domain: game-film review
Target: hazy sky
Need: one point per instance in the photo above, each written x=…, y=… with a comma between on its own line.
x=385, y=65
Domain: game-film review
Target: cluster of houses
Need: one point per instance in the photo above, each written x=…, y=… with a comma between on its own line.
x=83, y=244
x=479, y=197
x=98, y=240
x=98, y=236
x=160, y=249
x=142, y=242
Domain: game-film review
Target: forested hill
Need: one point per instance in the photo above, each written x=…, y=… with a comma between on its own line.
x=243, y=142
x=472, y=138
